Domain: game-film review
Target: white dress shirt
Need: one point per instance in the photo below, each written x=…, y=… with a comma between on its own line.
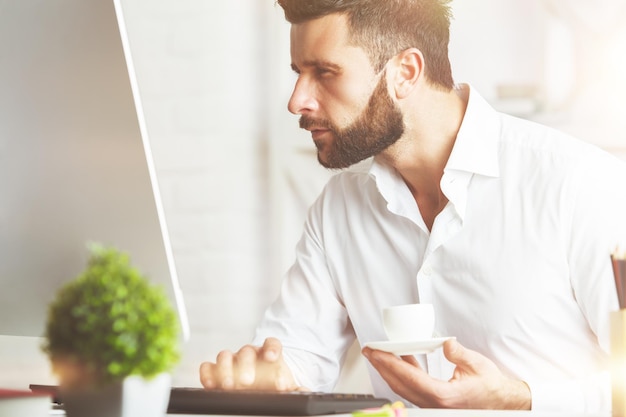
x=517, y=264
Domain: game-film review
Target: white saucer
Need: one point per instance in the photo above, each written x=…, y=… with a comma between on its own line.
x=412, y=347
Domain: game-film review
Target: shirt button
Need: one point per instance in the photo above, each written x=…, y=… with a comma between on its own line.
x=427, y=270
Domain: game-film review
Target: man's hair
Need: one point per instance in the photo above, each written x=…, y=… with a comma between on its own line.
x=384, y=28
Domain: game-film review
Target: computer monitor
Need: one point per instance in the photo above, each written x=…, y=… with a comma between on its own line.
x=75, y=160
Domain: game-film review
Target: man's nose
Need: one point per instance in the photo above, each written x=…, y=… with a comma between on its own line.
x=302, y=98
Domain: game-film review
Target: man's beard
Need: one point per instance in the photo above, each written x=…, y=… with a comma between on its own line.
x=379, y=126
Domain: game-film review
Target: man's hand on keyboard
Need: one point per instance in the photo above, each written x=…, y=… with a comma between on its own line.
x=251, y=368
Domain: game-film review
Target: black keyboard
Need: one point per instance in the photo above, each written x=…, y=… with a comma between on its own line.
x=259, y=403
x=199, y=401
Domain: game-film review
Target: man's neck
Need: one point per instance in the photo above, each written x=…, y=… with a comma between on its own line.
x=421, y=155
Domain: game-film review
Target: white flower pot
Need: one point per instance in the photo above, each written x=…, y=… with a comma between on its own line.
x=133, y=397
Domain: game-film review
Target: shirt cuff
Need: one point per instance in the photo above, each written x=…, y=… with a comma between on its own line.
x=303, y=374
x=592, y=395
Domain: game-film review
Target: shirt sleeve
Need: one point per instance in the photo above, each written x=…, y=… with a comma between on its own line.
x=589, y=395
x=598, y=225
x=308, y=316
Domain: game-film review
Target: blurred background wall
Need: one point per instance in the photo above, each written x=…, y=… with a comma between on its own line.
x=237, y=175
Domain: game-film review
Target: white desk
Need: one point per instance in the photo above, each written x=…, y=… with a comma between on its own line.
x=415, y=412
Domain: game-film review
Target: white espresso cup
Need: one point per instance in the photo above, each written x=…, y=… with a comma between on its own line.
x=409, y=322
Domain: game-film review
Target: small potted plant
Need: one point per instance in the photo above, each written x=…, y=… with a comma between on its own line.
x=112, y=339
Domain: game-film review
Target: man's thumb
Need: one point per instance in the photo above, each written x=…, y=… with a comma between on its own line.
x=459, y=355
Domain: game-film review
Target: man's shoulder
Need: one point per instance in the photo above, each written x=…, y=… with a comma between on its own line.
x=545, y=140
x=541, y=148
x=353, y=175
x=349, y=186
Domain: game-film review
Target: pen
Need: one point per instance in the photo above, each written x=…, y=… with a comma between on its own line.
x=618, y=260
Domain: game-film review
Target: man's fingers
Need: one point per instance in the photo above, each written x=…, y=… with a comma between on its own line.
x=252, y=367
x=453, y=349
x=246, y=362
x=394, y=370
x=207, y=375
x=410, y=359
x=271, y=349
x=403, y=375
x=465, y=359
x=224, y=370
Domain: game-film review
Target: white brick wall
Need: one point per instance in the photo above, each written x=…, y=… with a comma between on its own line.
x=200, y=70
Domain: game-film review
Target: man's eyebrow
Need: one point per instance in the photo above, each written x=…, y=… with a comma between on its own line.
x=317, y=64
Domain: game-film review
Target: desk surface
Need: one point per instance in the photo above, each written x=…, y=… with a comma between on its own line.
x=465, y=413
x=414, y=412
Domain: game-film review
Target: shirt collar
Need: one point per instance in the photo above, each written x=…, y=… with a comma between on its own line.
x=394, y=190
x=476, y=147
x=475, y=151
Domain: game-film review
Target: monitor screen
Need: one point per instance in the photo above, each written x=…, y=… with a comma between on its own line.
x=75, y=162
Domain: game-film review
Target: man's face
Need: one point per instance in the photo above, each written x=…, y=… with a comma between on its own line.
x=340, y=98
x=377, y=127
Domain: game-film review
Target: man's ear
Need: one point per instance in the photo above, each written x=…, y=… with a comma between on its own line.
x=409, y=68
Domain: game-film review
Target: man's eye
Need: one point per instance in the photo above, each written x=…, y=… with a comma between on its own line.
x=323, y=72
